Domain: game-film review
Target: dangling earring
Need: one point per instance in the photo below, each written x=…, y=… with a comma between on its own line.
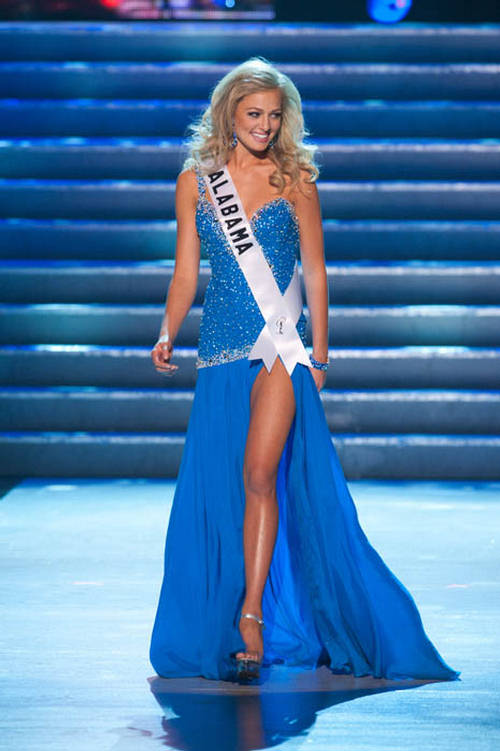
x=234, y=141
x=271, y=143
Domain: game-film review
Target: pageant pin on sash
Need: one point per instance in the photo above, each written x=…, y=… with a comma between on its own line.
x=281, y=312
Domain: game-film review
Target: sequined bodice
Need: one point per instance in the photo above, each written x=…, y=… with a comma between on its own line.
x=231, y=319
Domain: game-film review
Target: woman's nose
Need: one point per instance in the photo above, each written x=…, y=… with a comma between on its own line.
x=265, y=123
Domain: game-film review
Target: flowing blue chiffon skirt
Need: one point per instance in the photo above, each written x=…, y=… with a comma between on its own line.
x=329, y=597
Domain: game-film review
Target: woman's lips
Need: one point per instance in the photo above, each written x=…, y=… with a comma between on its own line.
x=260, y=137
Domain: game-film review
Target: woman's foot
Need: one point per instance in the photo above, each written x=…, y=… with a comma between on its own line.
x=251, y=626
x=248, y=662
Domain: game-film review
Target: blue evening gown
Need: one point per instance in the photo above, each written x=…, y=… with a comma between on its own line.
x=329, y=597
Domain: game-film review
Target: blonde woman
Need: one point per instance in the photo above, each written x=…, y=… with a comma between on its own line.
x=265, y=560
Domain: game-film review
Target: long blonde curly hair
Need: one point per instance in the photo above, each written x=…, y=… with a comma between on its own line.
x=209, y=146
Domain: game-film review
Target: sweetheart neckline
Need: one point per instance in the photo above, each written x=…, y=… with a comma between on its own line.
x=259, y=210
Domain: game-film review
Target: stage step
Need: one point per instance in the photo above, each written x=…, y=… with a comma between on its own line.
x=369, y=240
x=188, y=80
x=90, y=117
x=142, y=199
x=65, y=454
x=350, y=326
x=143, y=41
x=364, y=368
x=161, y=159
x=394, y=283
x=161, y=410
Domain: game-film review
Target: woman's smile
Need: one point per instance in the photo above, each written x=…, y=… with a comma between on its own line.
x=260, y=137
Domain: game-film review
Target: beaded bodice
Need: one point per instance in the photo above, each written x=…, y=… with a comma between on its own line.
x=231, y=320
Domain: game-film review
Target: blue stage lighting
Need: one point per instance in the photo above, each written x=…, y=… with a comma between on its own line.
x=388, y=11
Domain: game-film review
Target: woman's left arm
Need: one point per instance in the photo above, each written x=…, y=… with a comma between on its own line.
x=308, y=210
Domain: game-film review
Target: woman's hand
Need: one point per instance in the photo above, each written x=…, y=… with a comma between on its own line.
x=319, y=377
x=161, y=355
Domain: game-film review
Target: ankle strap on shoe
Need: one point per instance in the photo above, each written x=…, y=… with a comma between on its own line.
x=253, y=617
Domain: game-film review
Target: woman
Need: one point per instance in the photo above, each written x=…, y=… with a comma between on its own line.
x=263, y=530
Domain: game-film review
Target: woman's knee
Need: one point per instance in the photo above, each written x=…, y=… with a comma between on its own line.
x=259, y=479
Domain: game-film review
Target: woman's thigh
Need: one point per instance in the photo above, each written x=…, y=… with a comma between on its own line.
x=272, y=409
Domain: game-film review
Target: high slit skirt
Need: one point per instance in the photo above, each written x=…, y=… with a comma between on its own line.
x=329, y=598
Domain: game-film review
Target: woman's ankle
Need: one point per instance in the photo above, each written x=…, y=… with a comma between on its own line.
x=254, y=609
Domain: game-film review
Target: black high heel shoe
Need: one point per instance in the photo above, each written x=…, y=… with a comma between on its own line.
x=246, y=668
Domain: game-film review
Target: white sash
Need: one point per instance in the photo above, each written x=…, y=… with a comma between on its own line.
x=281, y=312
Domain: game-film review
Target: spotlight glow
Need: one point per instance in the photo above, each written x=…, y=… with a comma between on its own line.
x=388, y=11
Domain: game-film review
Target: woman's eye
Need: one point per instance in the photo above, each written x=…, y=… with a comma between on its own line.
x=273, y=114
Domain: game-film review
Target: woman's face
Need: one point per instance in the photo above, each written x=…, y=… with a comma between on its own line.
x=257, y=119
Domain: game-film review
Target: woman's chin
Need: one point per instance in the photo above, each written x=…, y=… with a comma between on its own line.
x=256, y=148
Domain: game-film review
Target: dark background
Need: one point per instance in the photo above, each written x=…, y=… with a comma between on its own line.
x=348, y=11
x=354, y=11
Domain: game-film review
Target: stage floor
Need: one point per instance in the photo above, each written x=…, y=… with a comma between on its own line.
x=81, y=568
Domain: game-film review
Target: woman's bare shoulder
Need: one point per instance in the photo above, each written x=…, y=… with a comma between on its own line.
x=187, y=185
x=303, y=191
x=187, y=178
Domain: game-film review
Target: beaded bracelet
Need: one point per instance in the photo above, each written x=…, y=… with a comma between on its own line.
x=317, y=364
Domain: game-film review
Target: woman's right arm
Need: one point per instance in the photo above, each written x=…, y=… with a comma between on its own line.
x=182, y=287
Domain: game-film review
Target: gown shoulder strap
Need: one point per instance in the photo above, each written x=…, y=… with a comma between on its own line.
x=200, y=181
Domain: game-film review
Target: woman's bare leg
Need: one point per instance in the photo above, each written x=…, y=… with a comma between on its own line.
x=272, y=408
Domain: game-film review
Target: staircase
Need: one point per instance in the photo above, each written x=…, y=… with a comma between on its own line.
x=92, y=118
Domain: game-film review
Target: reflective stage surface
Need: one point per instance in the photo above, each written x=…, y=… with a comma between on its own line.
x=81, y=565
